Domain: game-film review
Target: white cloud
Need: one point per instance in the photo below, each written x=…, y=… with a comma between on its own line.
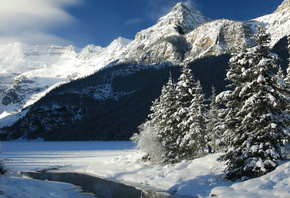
x=192, y=3
x=133, y=21
x=30, y=21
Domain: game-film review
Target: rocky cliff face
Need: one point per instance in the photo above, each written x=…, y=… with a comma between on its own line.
x=165, y=41
x=218, y=37
x=277, y=23
x=185, y=34
x=285, y=5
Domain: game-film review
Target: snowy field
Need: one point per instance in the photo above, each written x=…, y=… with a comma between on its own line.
x=119, y=161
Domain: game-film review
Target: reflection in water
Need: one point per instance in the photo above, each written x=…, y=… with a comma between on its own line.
x=99, y=187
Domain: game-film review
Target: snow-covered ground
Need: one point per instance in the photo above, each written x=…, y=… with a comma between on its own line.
x=119, y=161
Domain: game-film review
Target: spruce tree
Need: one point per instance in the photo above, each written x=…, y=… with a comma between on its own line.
x=190, y=116
x=214, y=124
x=175, y=151
x=156, y=134
x=168, y=132
x=280, y=73
x=194, y=139
x=287, y=78
x=175, y=130
x=256, y=120
x=288, y=39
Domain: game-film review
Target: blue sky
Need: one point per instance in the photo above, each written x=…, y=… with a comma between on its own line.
x=98, y=22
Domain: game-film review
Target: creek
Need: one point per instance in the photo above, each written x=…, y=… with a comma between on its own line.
x=94, y=186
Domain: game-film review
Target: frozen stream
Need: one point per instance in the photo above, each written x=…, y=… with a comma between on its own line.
x=98, y=187
x=75, y=163
x=120, y=162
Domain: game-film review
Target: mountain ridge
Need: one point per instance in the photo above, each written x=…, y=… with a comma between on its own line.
x=172, y=41
x=33, y=70
x=285, y=4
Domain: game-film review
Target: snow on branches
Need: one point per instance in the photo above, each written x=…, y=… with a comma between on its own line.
x=177, y=123
x=256, y=116
x=252, y=125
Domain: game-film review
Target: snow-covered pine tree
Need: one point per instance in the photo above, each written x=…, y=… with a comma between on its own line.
x=287, y=78
x=193, y=141
x=187, y=122
x=187, y=141
x=198, y=113
x=168, y=131
x=185, y=86
x=288, y=38
x=176, y=127
x=177, y=118
x=280, y=73
x=155, y=135
x=256, y=121
x=214, y=123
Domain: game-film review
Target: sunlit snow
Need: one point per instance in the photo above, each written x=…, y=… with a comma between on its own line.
x=119, y=161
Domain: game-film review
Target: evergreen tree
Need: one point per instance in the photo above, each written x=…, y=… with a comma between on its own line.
x=175, y=129
x=168, y=132
x=156, y=134
x=287, y=81
x=190, y=116
x=287, y=78
x=256, y=121
x=184, y=88
x=194, y=139
x=198, y=117
x=280, y=73
x=214, y=125
x=288, y=38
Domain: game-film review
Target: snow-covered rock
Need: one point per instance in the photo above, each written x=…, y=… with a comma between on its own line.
x=163, y=42
x=277, y=23
x=285, y=4
x=98, y=56
x=186, y=34
x=218, y=37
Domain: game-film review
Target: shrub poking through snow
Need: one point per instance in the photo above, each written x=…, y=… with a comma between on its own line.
x=256, y=119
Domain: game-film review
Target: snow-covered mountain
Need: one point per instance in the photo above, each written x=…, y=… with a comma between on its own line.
x=183, y=35
x=277, y=23
x=28, y=72
x=285, y=4
x=164, y=42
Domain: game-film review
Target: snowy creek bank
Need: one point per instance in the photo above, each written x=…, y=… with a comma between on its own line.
x=120, y=162
x=95, y=186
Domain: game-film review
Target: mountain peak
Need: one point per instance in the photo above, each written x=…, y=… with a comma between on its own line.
x=184, y=17
x=181, y=5
x=123, y=40
x=285, y=4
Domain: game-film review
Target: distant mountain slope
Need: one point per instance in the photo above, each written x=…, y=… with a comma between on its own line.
x=28, y=72
x=108, y=105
